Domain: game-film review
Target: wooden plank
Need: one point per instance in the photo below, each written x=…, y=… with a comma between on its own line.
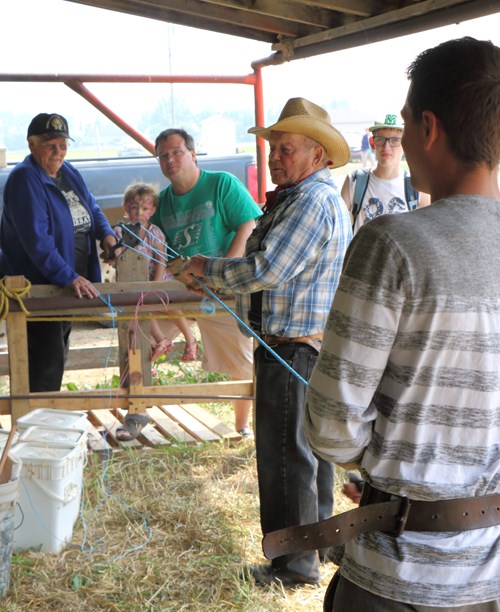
x=194, y=426
x=169, y=427
x=108, y=420
x=92, y=357
x=136, y=375
x=17, y=335
x=78, y=359
x=212, y=422
x=40, y=291
x=134, y=335
x=100, y=398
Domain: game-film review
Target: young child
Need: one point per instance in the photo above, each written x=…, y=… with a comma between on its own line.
x=139, y=203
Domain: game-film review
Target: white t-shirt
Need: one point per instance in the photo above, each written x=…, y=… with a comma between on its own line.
x=382, y=197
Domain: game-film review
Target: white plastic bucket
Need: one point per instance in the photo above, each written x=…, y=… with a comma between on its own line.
x=4, y=434
x=49, y=495
x=67, y=438
x=51, y=436
x=9, y=493
x=54, y=419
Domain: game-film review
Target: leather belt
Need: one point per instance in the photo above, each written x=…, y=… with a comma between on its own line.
x=392, y=517
x=313, y=340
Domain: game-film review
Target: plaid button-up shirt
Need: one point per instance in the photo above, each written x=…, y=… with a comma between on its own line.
x=294, y=256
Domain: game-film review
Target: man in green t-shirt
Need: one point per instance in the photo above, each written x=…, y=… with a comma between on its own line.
x=213, y=214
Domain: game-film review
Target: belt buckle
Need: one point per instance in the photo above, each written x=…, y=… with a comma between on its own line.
x=271, y=343
x=401, y=518
x=371, y=495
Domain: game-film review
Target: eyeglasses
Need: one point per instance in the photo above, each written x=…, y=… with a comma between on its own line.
x=53, y=148
x=175, y=154
x=394, y=141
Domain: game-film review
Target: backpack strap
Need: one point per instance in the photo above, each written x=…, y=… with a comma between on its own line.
x=411, y=194
x=360, y=179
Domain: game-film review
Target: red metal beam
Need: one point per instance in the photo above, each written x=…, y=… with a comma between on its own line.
x=248, y=79
x=80, y=89
x=75, y=82
x=260, y=142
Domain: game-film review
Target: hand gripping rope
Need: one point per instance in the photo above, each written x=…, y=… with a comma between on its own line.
x=178, y=268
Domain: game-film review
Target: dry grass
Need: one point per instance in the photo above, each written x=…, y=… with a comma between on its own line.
x=163, y=530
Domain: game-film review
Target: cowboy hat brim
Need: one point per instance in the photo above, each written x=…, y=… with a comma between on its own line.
x=336, y=146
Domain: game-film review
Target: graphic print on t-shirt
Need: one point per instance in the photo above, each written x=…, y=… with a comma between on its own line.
x=374, y=207
x=188, y=236
x=79, y=214
x=194, y=230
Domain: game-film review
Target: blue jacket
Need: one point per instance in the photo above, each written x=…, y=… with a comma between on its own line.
x=36, y=231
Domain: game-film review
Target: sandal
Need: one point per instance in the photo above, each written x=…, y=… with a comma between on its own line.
x=161, y=348
x=132, y=427
x=190, y=351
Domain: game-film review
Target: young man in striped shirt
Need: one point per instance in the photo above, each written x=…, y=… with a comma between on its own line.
x=407, y=384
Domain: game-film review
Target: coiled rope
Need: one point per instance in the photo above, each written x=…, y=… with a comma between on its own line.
x=17, y=294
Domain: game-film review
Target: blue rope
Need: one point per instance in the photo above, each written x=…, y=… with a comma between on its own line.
x=233, y=314
x=145, y=244
x=250, y=331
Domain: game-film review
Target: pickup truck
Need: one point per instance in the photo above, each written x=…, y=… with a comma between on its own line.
x=107, y=178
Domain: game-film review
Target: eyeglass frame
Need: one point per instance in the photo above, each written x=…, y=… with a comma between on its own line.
x=174, y=154
x=54, y=148
x=387, y=139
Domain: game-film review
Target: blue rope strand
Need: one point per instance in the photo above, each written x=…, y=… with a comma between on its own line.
x=235, y=316
x=250, y=331
x=127, y=246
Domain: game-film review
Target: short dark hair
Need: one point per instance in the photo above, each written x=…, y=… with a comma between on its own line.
x=165, y=135
x=459, y=81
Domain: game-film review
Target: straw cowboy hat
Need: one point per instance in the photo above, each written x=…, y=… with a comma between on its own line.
x=299, y=116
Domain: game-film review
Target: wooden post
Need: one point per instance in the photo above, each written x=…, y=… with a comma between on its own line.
x=134, y=335
x=136, y=386
x=17, y=335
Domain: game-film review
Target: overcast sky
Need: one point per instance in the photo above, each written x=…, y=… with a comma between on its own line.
x=56, y=36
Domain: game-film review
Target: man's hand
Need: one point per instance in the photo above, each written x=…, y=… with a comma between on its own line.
x=83, y=287
x=195, y=266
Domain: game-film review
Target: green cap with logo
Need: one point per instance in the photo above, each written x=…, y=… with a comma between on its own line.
x=390, y=122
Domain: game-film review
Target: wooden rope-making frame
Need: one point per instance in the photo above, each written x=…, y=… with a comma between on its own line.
x=137, y=392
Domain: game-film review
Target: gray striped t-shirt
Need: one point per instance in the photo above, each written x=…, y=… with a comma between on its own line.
x=408, y=385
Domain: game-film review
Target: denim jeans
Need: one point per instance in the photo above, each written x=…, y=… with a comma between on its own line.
x=295, y=486
x=48, y=344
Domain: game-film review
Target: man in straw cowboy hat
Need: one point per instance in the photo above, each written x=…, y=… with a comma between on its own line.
x=284, y=286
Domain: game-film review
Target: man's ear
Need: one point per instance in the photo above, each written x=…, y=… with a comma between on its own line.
x=319, y=155
x=431, y=128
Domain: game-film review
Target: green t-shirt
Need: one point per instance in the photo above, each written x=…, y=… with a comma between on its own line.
x=204, y=220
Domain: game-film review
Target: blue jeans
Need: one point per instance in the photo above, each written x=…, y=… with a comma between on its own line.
x=295, y=486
